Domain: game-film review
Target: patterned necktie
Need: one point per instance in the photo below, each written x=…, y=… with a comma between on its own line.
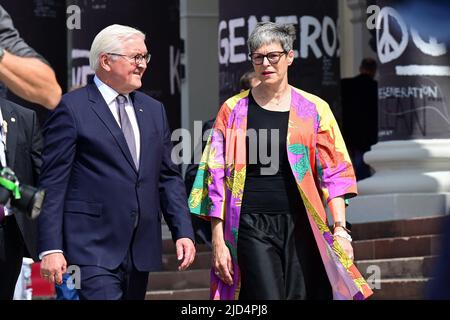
x=127, y=129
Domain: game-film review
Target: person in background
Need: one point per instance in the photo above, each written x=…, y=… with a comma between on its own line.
x=270, y=234
x=202, y=227
x=20, y=150
x=27, y=74
x=360, y=115
x=22, y=70
x=248, y=81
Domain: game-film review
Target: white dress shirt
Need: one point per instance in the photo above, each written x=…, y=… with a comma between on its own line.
x=110, y=95
x=3, y=136
x=3, y=142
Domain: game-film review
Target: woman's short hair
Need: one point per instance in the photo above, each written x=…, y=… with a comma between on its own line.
x=111, y=39
x=266, y=33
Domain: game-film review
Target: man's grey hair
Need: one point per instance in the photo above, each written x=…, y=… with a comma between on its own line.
x=266, y=33
x=111, y=39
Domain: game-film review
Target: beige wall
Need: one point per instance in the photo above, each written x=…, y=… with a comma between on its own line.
x=200, y=87
x=354, y=36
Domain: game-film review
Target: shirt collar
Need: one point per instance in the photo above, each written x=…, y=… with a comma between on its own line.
x=108, y=93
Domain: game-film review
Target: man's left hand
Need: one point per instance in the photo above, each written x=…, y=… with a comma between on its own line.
x=185, y=252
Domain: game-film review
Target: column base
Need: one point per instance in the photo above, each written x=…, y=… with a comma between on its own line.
x=412, y=179
x=397, y=206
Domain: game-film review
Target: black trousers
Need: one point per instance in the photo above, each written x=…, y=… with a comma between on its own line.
x=12, y=250
x=279, y=260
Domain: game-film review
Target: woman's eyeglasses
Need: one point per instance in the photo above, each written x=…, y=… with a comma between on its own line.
x=273, y=57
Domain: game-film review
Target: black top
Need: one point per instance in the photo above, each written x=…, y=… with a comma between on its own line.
x=270, y=185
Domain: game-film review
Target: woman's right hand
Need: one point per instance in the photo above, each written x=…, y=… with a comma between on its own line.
x=223, y=267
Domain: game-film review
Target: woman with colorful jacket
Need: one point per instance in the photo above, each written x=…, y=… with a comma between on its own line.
x=270, y=232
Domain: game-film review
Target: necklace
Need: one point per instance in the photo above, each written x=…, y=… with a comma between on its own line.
x=271, y=103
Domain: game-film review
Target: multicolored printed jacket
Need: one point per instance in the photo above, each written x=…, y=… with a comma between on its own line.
x=322, y=169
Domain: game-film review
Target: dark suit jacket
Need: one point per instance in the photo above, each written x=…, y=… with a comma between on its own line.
x=191, y=170
x=202, y=227
x=94, y=192
x=360, y=112
x=23, y=156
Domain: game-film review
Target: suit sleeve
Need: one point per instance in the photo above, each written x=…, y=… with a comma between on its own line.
x=58, y=155
x=172, y=190
x=36, y=148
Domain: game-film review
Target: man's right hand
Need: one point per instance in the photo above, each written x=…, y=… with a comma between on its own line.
x=53, y=266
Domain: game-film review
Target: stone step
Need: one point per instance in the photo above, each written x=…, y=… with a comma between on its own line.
x=389, y=268
x=404, y=251
x=165, y=232
x=396, y=268
x=194, y=284
x=187, y=294
x=398, y=228
x=178, y=280
x=401, y=289
x=389, y=289
x=202, y=261
x=397, y=247
x=168, y=247
x=419, y=263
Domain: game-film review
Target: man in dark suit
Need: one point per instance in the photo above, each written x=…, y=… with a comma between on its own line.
x=20, y=150
x=360, y=115
x=107, y=170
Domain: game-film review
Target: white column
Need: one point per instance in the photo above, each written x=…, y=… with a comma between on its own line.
x=200, y=86
x=412, y=175
x=354, y=36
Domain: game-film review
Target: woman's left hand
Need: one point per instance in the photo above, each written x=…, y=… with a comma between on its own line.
x=346, y=245
x=341, y=235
